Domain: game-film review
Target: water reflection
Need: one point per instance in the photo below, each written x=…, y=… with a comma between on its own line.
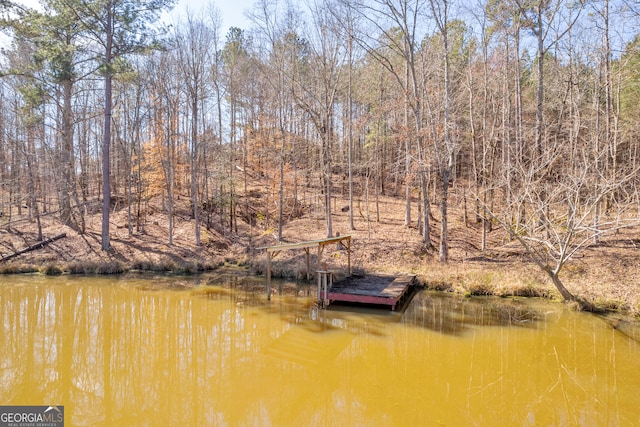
x=171, y=351
x=455, y=315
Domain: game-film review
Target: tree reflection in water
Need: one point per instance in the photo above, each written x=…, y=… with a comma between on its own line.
x=450, y=314
x=177, y=351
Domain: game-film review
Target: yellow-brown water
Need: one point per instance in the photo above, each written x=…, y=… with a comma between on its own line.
x=155, y=352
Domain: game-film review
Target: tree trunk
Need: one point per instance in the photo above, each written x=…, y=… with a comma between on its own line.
x=328, y=180
x=540, y=89
x=564, y=292
x=66, y=155
x=106, y=141
x=407, y=163
x=444, y=245
x=194, y=171
x=33, y=199
x=426, y=210
x=567, y=296
x=448, y=143
x=281, y=183
x=170, y=174
x=350, y=131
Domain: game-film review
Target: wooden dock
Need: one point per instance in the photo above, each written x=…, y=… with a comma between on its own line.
x=273, y=251
x=372, y=290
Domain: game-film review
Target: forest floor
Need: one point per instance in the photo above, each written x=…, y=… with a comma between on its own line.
x=607, y=274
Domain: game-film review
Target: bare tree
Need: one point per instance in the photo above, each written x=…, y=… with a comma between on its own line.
x=194, y=45
x=316, y=91
x=285, y=54
x=165, y=101
x=235, y=60
x=567, y=208
x=395, y=25
x=445, y=155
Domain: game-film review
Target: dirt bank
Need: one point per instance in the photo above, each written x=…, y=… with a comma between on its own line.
x=607, y=274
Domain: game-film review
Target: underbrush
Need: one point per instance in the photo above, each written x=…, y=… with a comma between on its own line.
x=96, y=267
x=18, y=269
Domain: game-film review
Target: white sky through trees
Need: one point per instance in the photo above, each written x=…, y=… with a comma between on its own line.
x=232, y=12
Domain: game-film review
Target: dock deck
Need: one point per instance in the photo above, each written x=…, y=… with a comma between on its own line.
x=375, y=290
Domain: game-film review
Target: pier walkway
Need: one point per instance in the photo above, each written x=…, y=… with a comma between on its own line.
x=372, y=290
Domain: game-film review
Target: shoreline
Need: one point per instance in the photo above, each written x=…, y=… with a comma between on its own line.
x=606, y=275
x=472, y=279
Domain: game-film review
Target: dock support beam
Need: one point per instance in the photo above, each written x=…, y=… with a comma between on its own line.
x=268, y=276
x=272, y=251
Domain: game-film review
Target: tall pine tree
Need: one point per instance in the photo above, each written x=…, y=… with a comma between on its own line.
x=117, y=28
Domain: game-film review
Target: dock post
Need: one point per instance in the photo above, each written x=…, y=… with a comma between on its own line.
x=306, y=250
x=328, y=278
x=325, y=280
x=349, y=254
x=268, y=276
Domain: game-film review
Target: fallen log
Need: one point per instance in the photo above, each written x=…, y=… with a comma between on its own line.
x=33, y=247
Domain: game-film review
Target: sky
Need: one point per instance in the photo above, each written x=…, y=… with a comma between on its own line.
x=231, y=11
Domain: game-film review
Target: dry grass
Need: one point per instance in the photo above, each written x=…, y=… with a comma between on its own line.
x=607, y=275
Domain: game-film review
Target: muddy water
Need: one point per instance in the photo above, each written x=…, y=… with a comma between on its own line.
x=159, y=352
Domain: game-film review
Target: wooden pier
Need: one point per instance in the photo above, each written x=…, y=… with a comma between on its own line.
x=362, y=289
x=320, y=244
x=372, y=290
